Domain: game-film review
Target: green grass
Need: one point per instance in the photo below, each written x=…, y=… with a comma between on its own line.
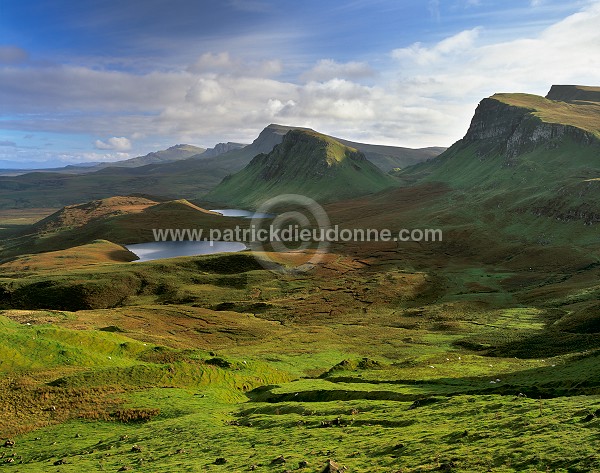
x=195, y=427
x=389, y=390
x=27, y=348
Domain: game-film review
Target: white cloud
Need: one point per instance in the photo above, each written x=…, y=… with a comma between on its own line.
x=464, y=65
x=210, y=61
x=327, y=69
x=114, y=143
x=454, y=46
x=51, y=88
x=223, y=63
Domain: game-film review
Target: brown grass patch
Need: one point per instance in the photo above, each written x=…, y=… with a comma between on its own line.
x=27, y=405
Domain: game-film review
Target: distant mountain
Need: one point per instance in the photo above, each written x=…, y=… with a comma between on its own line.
x=14, y=168
x=388, y=158
x=307, y=163
x=189, y=178
x=384, y=157
x=174, y=153
x=221, y=148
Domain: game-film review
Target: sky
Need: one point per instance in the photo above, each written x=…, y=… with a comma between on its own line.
x=105, y=80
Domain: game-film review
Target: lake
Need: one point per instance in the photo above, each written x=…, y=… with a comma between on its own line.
x=243, y=213
x=172, y=249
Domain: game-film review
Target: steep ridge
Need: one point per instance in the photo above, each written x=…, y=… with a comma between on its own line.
x=523, y=122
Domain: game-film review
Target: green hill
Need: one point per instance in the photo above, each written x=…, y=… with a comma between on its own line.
x=119, y=219
x=306, y=163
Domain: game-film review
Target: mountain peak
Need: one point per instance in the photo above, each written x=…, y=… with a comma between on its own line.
x=516, y=123
x=271, y=136
x=221, y=148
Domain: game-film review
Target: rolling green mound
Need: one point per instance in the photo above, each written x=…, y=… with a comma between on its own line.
x=306, y=163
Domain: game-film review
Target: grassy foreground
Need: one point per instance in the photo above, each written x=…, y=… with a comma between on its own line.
x=374, y=369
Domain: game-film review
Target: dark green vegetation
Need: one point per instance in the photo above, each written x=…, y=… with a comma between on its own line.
x=476, y=353
x=305, y=163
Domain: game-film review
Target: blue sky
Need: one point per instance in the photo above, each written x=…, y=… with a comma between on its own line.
x=106, y=80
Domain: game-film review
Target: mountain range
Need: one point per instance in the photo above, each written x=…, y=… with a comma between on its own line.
x=175, y=176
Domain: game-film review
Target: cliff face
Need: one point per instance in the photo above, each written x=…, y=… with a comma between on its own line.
x=499, y=127
x=527, y=154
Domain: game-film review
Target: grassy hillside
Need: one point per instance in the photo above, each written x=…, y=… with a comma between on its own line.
x=369, y=375
x=306, y=163
x=97, y=252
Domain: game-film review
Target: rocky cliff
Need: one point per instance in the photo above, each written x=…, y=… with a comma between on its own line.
x=514, y=124
x=527, y=154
